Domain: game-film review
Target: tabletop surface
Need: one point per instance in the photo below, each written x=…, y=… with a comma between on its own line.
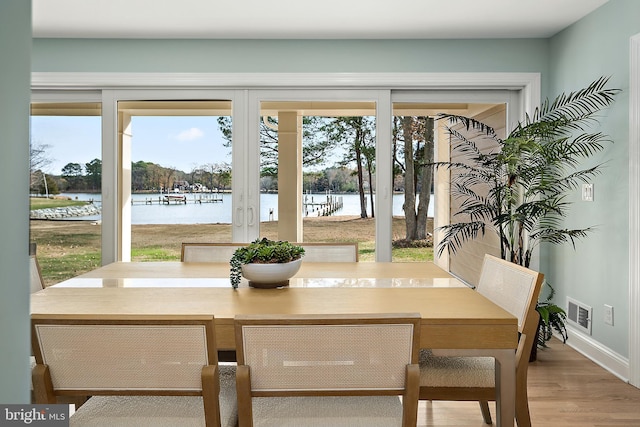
x=452, y=316
x=358, y=274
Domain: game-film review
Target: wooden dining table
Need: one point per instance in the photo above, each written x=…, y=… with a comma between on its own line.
x=454, y=316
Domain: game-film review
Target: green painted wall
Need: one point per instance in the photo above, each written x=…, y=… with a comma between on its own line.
x=264, y=56
x=596, y=272
x=15, y=51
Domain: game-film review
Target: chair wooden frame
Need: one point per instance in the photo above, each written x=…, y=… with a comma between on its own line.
x=245, y=382
x=86, y=333
x=314, y=252
x=330, y=252
x=35, y=278
x=527, y=325
x=208, y=252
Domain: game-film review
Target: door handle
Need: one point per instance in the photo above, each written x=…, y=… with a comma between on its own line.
x=250, y=216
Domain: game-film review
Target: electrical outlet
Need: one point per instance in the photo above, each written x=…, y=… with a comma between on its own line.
x=608, y=314
x=587, y=192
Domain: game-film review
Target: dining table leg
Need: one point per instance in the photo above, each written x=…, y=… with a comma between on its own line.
x=505, y=387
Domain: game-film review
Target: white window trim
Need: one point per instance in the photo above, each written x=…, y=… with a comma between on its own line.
x=384, y=202
x=529, y=82
x=634, y=212
x=116, y=217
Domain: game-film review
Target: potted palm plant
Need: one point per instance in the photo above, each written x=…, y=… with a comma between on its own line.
x=552, y=318
x=519, y=189
x=265, y=263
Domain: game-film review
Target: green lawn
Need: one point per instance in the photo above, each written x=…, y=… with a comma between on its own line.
x=69, y=248
x=44, y=203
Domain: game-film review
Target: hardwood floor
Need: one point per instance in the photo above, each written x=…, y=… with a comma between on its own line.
x=565, y=389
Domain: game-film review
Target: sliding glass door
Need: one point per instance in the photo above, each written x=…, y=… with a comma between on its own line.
x=180, y=174
x=428, y=200
x=168, y=157
x=317, y=177
x=65, y=178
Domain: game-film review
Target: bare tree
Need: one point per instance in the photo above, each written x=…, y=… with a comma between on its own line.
x=168, y=177
x=316, y=145
x=357, y=136
x=413, y=157
x=38, y=162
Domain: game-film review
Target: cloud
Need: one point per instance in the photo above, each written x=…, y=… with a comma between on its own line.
x=190, y=134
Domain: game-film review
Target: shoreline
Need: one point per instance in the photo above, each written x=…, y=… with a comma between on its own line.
x=65, y=212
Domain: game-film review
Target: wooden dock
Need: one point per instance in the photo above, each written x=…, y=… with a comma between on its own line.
x=179, y=199
x=330, y=205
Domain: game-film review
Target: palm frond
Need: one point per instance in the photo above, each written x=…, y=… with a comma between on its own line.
x=463, y=144
x=476, y=212
x=454, y=165
x=577, y=106
x=573, y=180
x=468, y=123
x=581, y=146
x=559, y=236
x=519, y=188
x=458, y=233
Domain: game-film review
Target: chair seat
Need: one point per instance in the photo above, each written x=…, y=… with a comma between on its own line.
x=327, y=411
x=436, y=371
x=157, y=411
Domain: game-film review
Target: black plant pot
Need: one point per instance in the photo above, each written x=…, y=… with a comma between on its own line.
x=534, y=348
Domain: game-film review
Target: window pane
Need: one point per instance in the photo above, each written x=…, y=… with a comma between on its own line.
x=336, y=187
x=180, y=176
x=66, y=173
x=413, y=151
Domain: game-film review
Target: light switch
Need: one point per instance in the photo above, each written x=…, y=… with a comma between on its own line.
x=608, y=314
x=587, y=192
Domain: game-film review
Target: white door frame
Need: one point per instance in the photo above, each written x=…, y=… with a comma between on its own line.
x=383, y=202
x=116, y=195
x=515, y=114
x=634, y=212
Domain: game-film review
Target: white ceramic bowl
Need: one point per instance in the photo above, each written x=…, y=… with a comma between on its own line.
x=270, y=275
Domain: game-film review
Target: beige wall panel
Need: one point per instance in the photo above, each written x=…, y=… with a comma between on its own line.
x=466, y=263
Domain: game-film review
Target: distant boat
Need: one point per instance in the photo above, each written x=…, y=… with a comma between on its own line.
x=176, y=198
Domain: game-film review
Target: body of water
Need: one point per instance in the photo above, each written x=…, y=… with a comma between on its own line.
x=220, y=212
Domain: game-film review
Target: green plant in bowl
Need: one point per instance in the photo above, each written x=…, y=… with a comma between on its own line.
x=262, y=251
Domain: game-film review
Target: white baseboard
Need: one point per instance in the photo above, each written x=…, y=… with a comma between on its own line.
x=598, y=353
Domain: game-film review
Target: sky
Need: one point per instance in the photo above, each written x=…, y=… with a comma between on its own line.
x=180, y=142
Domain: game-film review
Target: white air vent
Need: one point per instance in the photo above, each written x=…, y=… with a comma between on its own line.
x=579, y=315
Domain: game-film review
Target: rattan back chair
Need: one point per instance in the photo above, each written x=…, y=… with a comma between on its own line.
x=208, y=252
x=445, y=376
x=342, y=370
x=330, y=252
x=139, y=372
x=314, y=252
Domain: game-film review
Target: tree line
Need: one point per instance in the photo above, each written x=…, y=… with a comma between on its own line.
x=74, y=176
x=151, y=177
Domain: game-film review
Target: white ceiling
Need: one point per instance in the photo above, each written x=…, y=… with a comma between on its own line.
x=306, y=19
